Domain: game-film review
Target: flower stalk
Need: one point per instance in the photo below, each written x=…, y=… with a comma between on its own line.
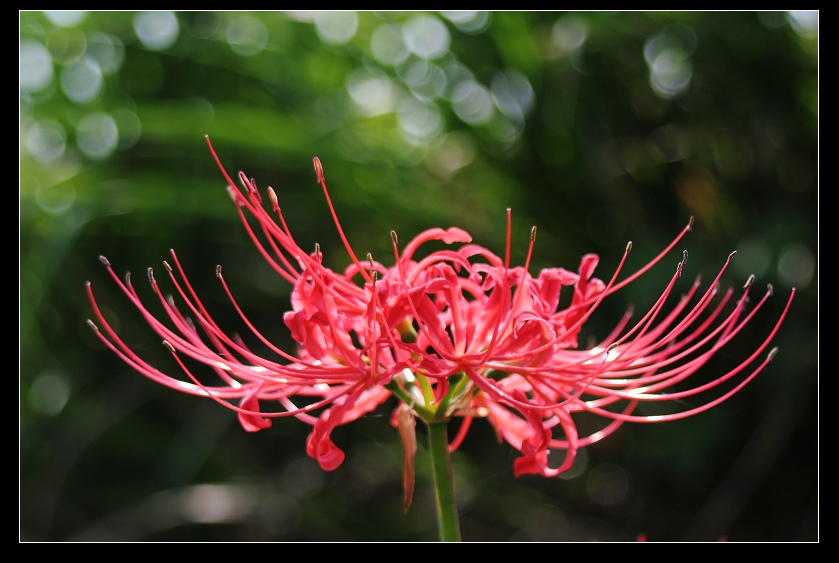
x=448, y=522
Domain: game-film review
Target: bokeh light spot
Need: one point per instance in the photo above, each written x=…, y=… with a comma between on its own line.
x=55, y=199
x=388, y=46
x=36, y=70
x=670, y=73
x=82, y=81
x=108, y=52
x=607, y=484
x=336, y=28
x=472, y=102
x=454, y=152
x=49, y=393
x=46, y=140
x=66, y=18
x=426, y=37
x=247, y=36
x=215, y=503
x=156, y=30
x=804, y=22
x=97, y=135
x=426, y=80
x=513, y=95
x=668, y=60
x=568, y=33
x=372, y=95
x=503, y=130
x=796, y=265
x=66, y=45
x=468, y=21
x=419, y=123
x=129, y=128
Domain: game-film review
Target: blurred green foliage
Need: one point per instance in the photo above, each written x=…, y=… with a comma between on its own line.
x=598, y=127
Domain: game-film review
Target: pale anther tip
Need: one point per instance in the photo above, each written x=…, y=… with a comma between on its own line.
x=533, y=233
x=730, y=256
x=690, y=223
x=218, y=270
x=167, y=266
x=92, y=325
x=772, y=353
x=318, y=170
x=169, y=346
x=104, y=261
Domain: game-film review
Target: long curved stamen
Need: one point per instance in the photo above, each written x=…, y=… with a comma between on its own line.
x=322, y=181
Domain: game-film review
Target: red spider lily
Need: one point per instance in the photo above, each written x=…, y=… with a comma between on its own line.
x=455, y=333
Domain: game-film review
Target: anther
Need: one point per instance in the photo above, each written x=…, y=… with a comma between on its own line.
x=628, y=247
x=770, y=288
x=690, y=223
x=104, y=261
x=730, y=256
x=150, y=273
x=218, y=270
x=275, y=204
x=169, y=346
x=234, y=194
x=681, y=264
x=317, y=249
x=749, y=281
x=533, y=234
x=772, y=353
x=92, y=325
x=167, y=266
x=319, y=170
x=394, y=238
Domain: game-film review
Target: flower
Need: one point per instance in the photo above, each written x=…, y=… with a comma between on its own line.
x=457, y=333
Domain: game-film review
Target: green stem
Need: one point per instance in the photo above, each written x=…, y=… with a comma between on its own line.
x=441, y=468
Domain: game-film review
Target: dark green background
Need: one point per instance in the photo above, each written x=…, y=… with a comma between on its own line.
x=595, y=157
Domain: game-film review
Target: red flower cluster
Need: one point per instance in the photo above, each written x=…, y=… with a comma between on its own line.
x=454, y=333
